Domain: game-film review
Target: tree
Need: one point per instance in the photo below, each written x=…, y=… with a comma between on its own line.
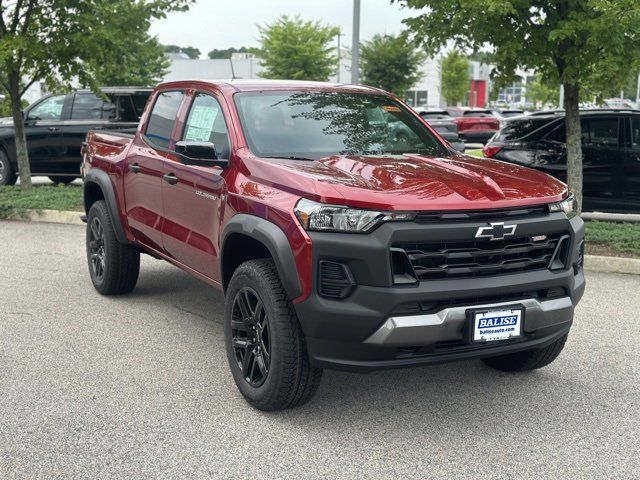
x=226, y=53
x=579, y=44
x=455, y=77
x=540, y=91
x=143, y=64
x=390, y=62
x=292, y=48
x=191, y=52
x=56, y=41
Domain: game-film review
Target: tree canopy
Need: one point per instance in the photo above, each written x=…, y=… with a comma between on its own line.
x=191, y=52
x=390, y=62
x=225, y=53
x=454, y=67
x=579, y=44
x=292, y=48
x=57, y=41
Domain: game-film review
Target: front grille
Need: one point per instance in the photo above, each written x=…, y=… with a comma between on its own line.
x=509, y=213
x=483, y=257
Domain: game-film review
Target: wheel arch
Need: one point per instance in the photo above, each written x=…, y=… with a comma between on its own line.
x=98, y=186
x=247, y=237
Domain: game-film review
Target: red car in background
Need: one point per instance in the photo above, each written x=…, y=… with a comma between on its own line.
x=474, y=124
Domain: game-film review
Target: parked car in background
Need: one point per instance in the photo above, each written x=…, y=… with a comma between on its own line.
x=443, y=123
x=610, y=148
x=474, y=124
x=502, y=113
x=56, y=126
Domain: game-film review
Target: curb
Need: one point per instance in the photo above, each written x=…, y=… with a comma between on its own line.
x=611, y=217
x=597, y=263
x=50, y=216
x=593, y=263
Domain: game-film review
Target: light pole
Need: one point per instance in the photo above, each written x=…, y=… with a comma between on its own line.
x=355, y=43
x=339, y=64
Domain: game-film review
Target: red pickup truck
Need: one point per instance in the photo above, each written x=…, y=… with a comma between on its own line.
x=335, y=246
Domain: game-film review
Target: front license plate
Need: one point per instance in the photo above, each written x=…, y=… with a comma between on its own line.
x=500, y=324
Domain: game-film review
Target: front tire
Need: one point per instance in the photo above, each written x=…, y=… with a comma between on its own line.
x=7, y=175
x=113, y=267
x=528, y=359
x=265, y=346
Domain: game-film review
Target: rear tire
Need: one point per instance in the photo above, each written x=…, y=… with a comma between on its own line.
x=7, y=175
x=113, y=267
x=271, y=375
x=59, y=180
x=528, y=359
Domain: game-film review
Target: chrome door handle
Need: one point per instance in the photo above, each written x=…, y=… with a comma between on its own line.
x=135, y=168
x=170, y=178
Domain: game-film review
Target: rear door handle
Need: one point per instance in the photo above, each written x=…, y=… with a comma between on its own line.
x=53, y=129
x=135, y=168
x=170, y=178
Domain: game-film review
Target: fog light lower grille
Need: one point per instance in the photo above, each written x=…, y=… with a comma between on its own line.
x=334, y=279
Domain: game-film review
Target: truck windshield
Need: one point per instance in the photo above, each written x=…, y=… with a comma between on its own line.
x=316, y=125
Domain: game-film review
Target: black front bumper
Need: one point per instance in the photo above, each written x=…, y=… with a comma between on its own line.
x=344, y=333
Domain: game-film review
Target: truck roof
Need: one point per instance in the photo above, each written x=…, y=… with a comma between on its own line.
x=252, y=85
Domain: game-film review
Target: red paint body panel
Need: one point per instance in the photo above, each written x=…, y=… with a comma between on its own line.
x=186, y=228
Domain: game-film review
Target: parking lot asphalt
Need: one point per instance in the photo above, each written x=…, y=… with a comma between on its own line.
x=138, y=387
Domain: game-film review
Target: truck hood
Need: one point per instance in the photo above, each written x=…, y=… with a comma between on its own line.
x=412, y=182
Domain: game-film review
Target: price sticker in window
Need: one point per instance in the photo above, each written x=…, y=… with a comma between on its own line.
x=200, y=123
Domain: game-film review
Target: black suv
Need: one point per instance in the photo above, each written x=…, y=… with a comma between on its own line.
x=56, y=126
x=610, y=148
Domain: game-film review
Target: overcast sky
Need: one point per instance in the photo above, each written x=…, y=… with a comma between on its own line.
x=213, y=24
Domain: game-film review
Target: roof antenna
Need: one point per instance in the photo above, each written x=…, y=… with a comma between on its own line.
x=233, y=72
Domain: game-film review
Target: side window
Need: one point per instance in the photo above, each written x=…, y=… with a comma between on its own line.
x=558, y=135
x=163, y=117
x=87, y=106
x=49, y=109
x=601, y=132
x=635, y=132
x=206, y=124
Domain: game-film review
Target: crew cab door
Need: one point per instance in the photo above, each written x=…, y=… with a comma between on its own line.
x=603, y=162
x=88, y=112
x=632, y=168
x=193, y=195
x=145, y=168
x=43, y=123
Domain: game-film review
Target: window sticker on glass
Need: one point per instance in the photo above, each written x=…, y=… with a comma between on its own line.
x=390, y=108
x=201, y=123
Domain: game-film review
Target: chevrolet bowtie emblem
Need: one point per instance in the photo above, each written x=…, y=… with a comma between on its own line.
x=496, y=231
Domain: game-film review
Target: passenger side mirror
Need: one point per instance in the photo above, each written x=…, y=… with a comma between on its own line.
x=202, y=154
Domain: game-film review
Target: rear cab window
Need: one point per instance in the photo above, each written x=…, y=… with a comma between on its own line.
x=162, y=118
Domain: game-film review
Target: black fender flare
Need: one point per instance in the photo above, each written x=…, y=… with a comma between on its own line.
x=102, y=180
x=272, y=237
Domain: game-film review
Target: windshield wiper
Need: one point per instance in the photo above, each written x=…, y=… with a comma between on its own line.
x=288, y=157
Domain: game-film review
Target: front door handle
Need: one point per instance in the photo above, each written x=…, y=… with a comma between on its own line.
x=53, y=129
x=135, y=168
x=170, y=178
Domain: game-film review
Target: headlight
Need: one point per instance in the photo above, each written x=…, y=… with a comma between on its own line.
x=569, y=206
x=333, y=218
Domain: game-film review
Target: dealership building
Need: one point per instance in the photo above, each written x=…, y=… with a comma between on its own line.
x=426, y=91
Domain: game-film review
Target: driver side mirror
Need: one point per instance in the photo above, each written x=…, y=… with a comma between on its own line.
x=203, y=154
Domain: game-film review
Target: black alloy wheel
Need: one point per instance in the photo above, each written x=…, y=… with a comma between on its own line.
x=97, y=255
x=250, y=336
